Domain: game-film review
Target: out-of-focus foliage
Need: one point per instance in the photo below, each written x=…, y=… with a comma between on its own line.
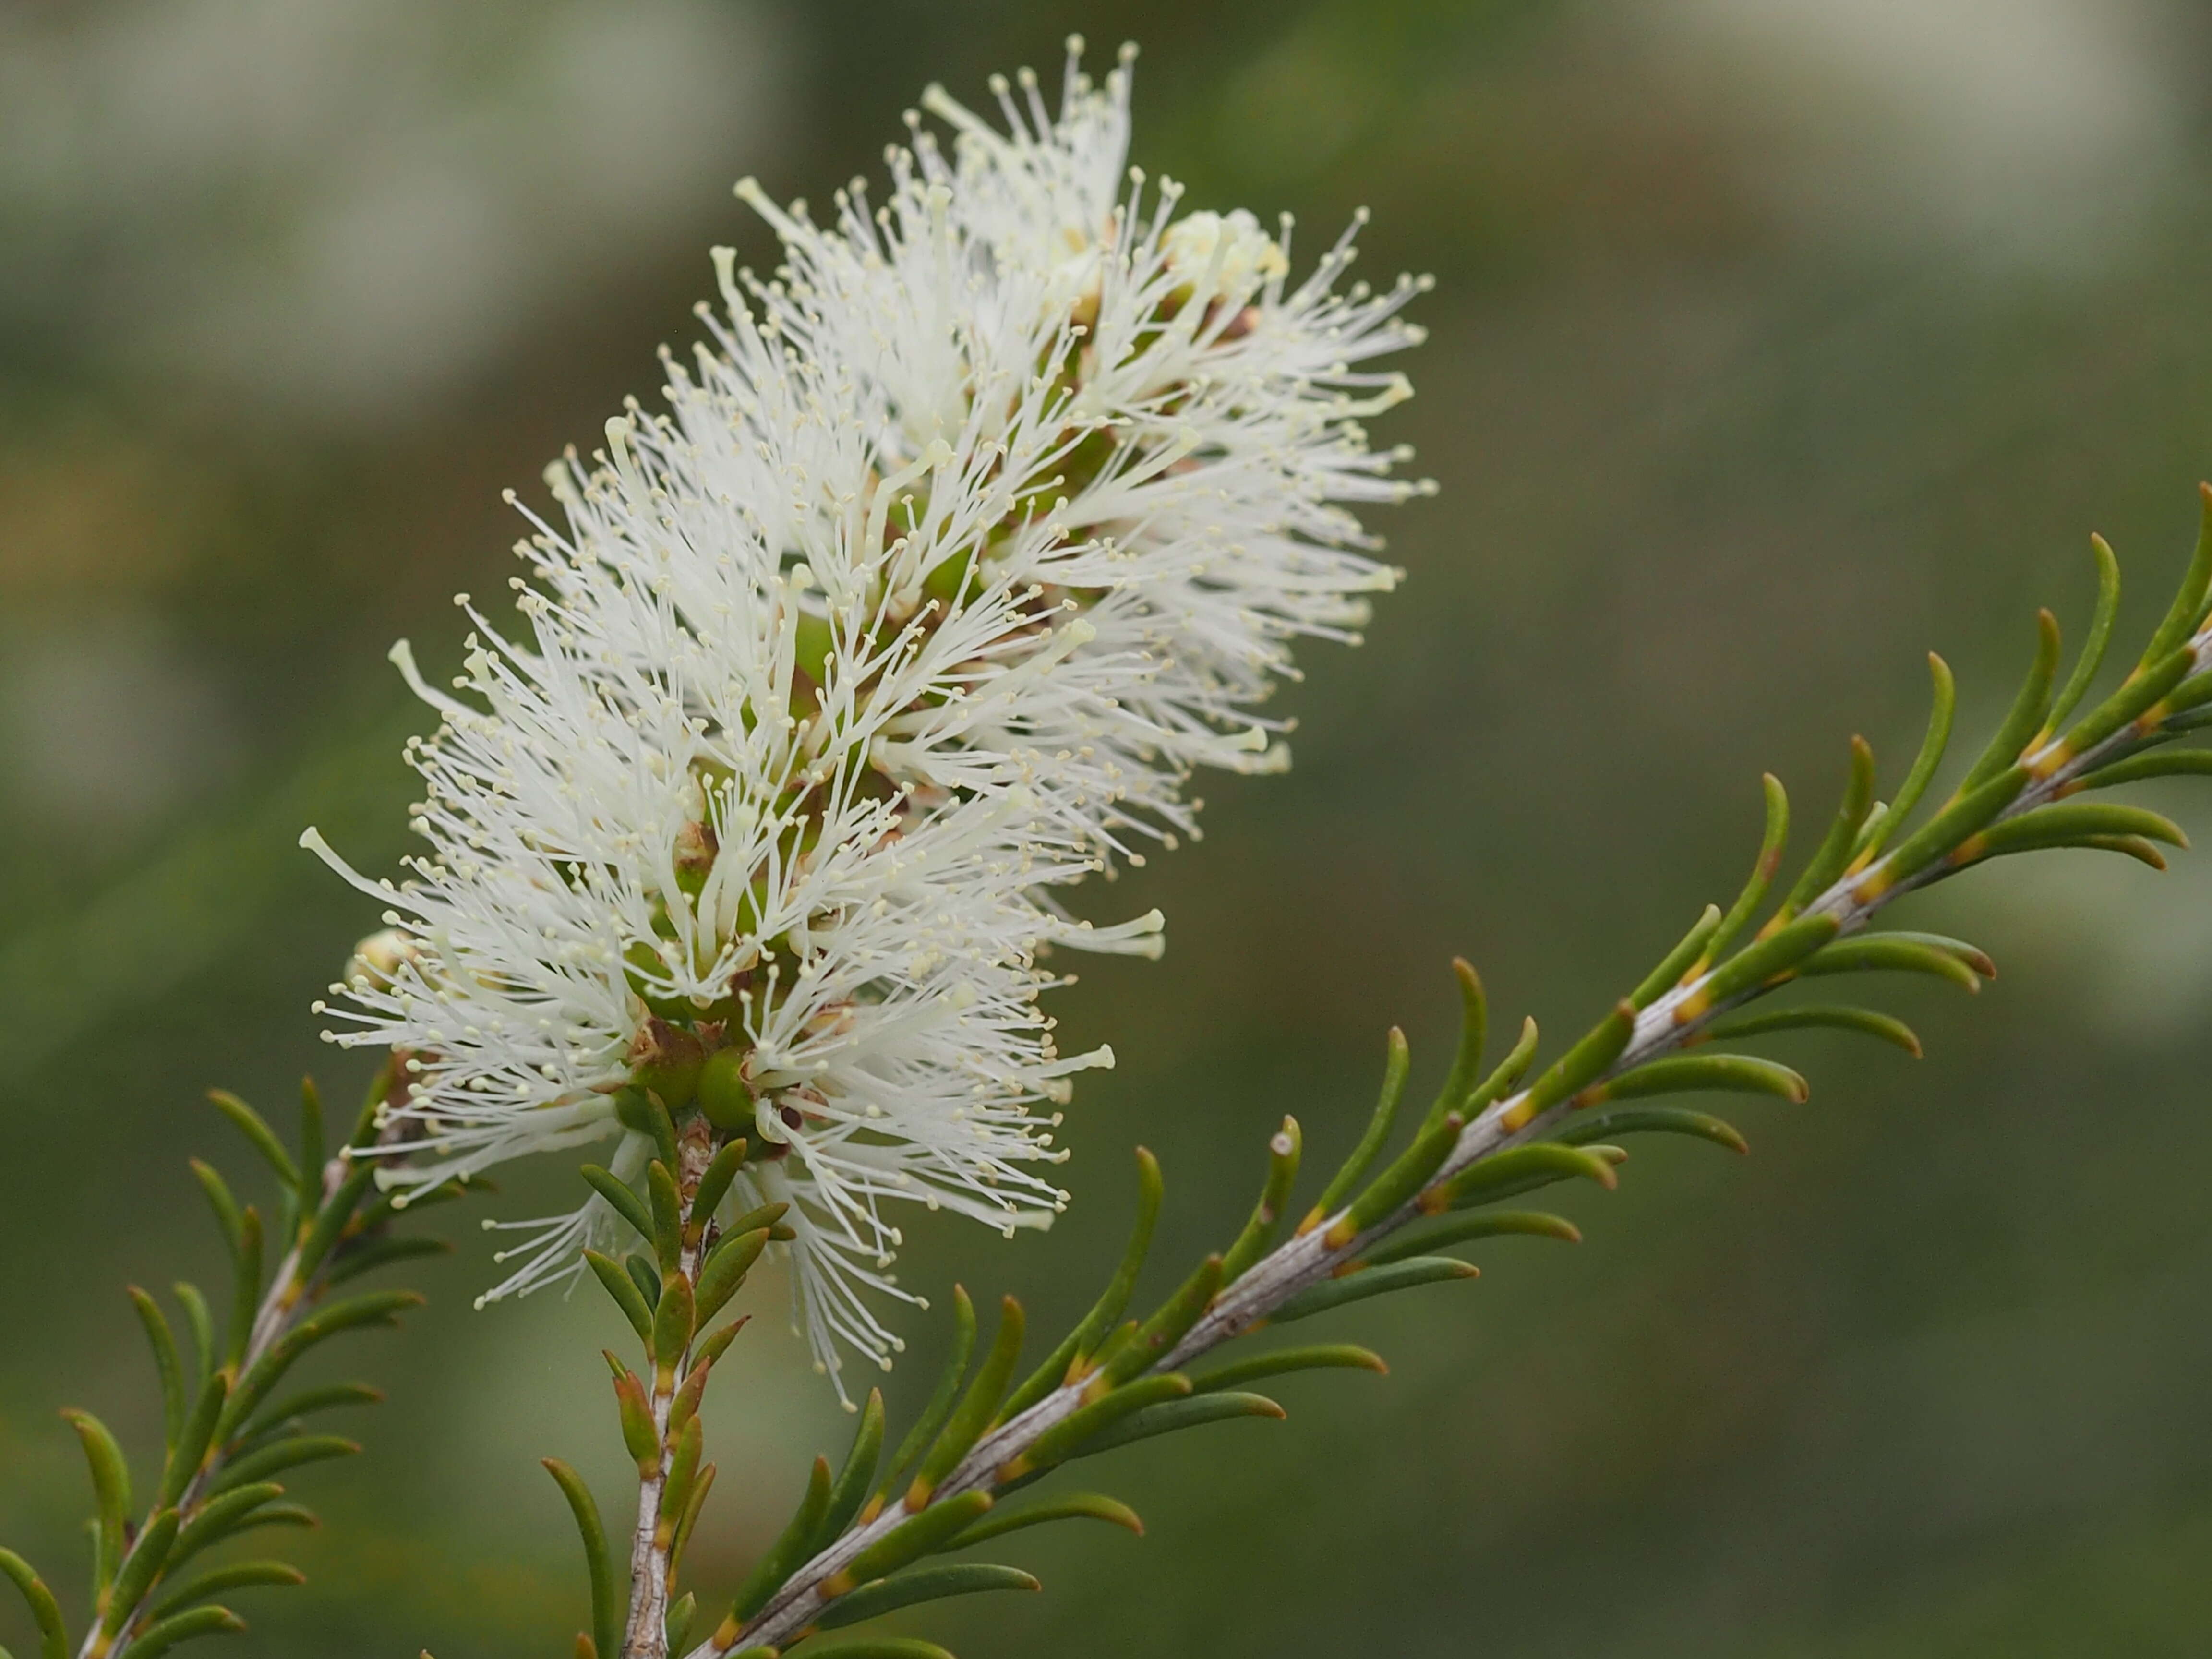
x=1774, y=341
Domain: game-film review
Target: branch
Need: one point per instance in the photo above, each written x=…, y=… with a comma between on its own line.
x=694, y=1269
x=1485, y=1141
x=223, y=1437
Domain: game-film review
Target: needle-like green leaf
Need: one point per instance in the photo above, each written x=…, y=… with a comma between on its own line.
x=1266, y=1222
x=906, y=1589
x=1071, y=1506
x=1883, y=825
x=1810, y=1016
x=46, y=1612
x=1467, y=1059
x=256, y=1129
x=1457, y=1230
x=1083, y=1341
x=1332, y=1293
x=1396, y=1060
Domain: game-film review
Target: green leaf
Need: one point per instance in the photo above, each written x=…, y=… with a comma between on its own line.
x=921, y=1535
x=203, y=1326
x=867, y=1647
x=365, y=1124
x=1677, y=961
x=710, y=1349
x=641, y=1109
x=276, y=1515
x=941, y=1398
x=167, y=1365
x=2100, y=635
x=1395, y=1187
x=255, y=1128
x=245, y=1285
x=1884, y=824
x=1772, y=841
x=1107, y=1310
x=1167, y=1327
x=2137, y=698
x=789, y=1550
x=111, y=1487
x=1073, y=1506
x=715, y=1184
x=1467, y=1059
x=2067, y=823
x=610, y=1597
x=1644, y=1120
x=977, y=1407
x=616, y=1282
x=284, y=1455
x=766, y=1216
x=415, y=1200
x=2187, y=610
x=372, y=1308
x=1397, y=1058
x=1742, y=1074
x=647, y=1277
x=148, y=1554
x=620, y=1199
x=1578, y=1066
x=2134, y=846
x=46, y=1612
x=330, y=1219
x=1337, y=1356
x=2158, y=764
x=1369, y=1282
x=1835, y=848
x=640, y=1436
x=666, y=1234
x=158, y=1638
x=1265, y=1223
x=1058, y=1442
x=355, y=1260
x=1758, y=963
x=700, y=1488
x=218, y=1518
x=238, y=1575
x=219, y=1199
x=723, y=1274
x=675, y=1322
x=305, y=1403
x=1175, y=1414
x=1966, y=814
x=677, y=1625
x=190, y=1449
x=858, y=1475
x=312, y=1149
x=1812, y=1015
x=1508, y=1075
x=1902, y=952
x=683, y=1468
x=1523, y=1169
x=906, y=1589
x=2025, y=718
x=1457, y=1230
x=2194, y=692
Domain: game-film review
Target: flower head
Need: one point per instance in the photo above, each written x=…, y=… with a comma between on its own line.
x=966, y=538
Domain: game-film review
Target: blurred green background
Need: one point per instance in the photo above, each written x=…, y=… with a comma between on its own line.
x=1774, y=341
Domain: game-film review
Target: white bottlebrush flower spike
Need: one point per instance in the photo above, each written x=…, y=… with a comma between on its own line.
x=974, y=530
